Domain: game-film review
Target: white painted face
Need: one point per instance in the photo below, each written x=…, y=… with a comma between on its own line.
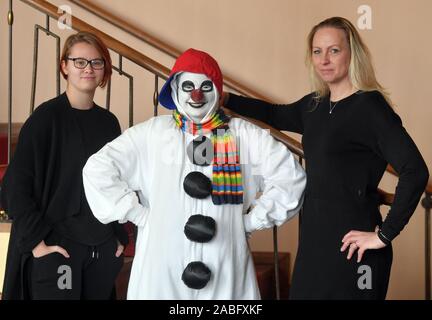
x=195, y=96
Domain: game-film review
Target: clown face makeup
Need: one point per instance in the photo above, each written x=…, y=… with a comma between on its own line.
x=194, y=95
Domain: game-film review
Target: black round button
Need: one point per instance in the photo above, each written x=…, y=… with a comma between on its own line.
x=197, y=185
x=196, y=275
x=200, y=151
x=200, y=228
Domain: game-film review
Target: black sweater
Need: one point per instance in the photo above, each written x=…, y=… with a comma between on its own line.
x=43, y=186
x=42, y=189
x=349, y=149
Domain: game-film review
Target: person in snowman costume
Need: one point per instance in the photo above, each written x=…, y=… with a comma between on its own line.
x=188, y=181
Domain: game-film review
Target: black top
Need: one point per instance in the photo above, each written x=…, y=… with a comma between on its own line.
x=348, y=149
x=95, y=127
x=43, y=187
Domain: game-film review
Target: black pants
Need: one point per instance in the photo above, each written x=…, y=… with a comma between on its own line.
x=89, y=273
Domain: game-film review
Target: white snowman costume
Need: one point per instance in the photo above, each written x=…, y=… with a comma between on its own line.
x=187, y=246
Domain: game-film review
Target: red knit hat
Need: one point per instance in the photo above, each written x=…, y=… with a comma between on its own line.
x=194, y=61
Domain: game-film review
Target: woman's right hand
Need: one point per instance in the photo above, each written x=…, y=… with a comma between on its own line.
x=42, y=250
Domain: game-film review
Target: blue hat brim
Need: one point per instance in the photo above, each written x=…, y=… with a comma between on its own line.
x=165, y=98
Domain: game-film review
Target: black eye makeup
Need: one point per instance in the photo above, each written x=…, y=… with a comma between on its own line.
x=188, y=86
x=207, y=86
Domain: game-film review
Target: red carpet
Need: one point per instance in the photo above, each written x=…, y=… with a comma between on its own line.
x=3, y=148
x=2, y=172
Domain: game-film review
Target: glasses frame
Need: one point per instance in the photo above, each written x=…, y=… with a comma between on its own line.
x=88, y=62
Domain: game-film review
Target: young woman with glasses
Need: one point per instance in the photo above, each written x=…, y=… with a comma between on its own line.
x=57, y=249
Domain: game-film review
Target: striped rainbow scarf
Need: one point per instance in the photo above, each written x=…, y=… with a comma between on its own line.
x=227, y=186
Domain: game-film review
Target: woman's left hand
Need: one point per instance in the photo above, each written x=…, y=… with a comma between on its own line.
x=120, y=249
x=361, y=241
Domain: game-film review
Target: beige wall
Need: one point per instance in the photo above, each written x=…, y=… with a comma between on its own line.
x=260, y=43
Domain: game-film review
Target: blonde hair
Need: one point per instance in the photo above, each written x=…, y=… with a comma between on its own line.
x=95, y=41
x=361, y=71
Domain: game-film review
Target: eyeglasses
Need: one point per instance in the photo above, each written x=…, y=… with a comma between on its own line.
x=81, y=63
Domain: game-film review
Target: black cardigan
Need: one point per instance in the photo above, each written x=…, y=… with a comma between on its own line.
x=44, y=175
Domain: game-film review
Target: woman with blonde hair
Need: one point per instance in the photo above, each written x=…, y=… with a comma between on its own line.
x=350, y=134
x=57, y=248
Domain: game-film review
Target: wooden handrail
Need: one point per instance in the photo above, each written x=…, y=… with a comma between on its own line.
x=16, y=128
x=157, y=68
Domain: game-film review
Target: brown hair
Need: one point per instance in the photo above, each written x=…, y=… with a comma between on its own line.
x=361, y=71
x=96, y=42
